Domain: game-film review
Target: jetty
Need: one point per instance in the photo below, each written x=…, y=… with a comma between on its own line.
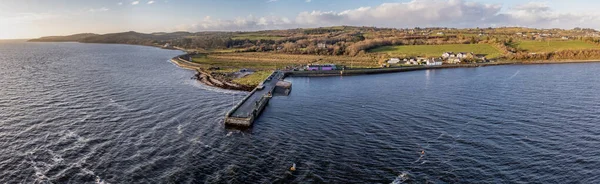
x=248, y=109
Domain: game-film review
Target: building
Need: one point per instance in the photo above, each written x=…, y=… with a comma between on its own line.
x=434, y=62
x=463, y=55
x=394, y=61
x=322, y=45
x=325, y=67
x=453, y=60
x=565, y=38
x=167, y=45
x=448, y=55
x=412, y=61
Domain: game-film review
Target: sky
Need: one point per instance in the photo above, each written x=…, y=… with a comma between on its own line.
x=36, y=18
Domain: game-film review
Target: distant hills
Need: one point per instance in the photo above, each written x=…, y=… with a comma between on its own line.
x=70, y=38
x=353, y=41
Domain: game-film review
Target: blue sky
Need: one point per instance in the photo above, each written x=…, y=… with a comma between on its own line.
x=34, y=18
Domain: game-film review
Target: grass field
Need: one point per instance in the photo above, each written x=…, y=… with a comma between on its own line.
x=254, y=79
x=270, y=61
x=545, y=46
x=437, y=50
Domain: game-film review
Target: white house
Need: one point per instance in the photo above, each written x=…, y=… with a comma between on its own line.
x=448, y=55
x=434, y=62
x=412, y=62
x=453, y=60
x=322, y=45
x=394, y=61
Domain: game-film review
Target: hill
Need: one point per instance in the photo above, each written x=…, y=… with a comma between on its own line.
x=70, y=38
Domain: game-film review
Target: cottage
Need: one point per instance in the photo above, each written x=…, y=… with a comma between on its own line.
x=322, y=45
x=453, y=60
x=463, y=55
x=565, y=38
x=434, y=62
x=394, y=61
x=448, y=55
x=412, y=61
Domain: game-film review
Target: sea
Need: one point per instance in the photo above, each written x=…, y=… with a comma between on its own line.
x=109, y=113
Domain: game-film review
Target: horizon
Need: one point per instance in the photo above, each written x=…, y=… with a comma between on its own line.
x=34, y=18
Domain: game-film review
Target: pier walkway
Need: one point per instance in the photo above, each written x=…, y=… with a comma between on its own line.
x=244, y=113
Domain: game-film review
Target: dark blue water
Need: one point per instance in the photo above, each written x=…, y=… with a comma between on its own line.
x=93, y=113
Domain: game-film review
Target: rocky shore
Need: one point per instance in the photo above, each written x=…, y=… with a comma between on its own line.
x=207, y=77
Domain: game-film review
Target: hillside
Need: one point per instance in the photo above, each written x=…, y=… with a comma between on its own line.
x=355, y=41
x=70, y=38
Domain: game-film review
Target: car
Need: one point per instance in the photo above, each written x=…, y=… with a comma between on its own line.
x=260, y=87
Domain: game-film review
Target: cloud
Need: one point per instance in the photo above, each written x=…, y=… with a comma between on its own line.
x=150, y=2
x=120, y=3
x=270, y=1
x=135, y=3
x=308, y=1
x=103, y=9
x=416, y=13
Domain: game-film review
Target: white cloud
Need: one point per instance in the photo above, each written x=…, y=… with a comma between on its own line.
x=150, y=2
x=270, y=1
x=308, y=1
x=416, y=13
x=120, y=3
x=135, y=3
x=103, y=9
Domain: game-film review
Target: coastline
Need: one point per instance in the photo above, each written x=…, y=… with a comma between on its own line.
x=206, y=77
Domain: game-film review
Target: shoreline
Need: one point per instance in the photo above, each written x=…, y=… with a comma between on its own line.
x=208, y=79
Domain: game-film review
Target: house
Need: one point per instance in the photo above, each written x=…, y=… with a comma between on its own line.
x=421, y=59
x=325, y=67
x=453, y=60
x=168, y=46
x=463, y=55
x=565, y=38
x=448, y=55
x=412, y=61
x=322, y=45
x=434, y=62
x=394, y=61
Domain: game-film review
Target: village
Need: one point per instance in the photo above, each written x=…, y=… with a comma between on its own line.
x=446, y=58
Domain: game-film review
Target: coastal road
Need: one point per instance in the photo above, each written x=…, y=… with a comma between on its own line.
x=245, y=110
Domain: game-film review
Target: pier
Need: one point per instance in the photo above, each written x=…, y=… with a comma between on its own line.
x=246, y=111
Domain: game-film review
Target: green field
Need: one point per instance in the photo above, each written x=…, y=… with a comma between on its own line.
x=437, y=50
x=254, y=79
x=550, y=46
